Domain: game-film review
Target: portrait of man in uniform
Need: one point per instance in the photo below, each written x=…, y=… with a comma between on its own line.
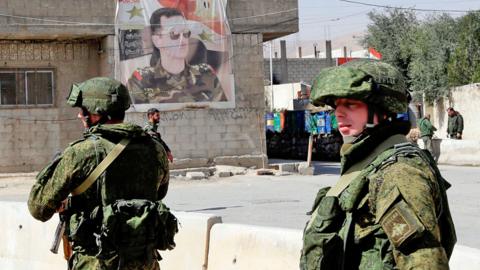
x=182, y=60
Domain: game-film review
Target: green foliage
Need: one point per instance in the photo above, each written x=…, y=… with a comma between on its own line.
x=392, y=33
x=434, y=54
x=464, y=65
x=435, y=41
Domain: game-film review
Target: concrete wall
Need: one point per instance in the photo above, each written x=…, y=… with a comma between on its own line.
x=30, y=135
x=59, y=12
x=283, y=95
x=299, y=69
x=233, y=136
x=272, y=18
x=465, y=100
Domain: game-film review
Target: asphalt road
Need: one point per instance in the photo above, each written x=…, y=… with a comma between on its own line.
x=282, y=201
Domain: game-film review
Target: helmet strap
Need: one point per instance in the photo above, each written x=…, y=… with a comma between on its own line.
x=370, y=119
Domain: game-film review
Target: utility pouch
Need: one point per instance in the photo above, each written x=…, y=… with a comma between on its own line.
x=322, y=245
x=134, y=228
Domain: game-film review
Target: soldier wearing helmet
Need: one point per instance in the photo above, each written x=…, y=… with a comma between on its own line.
x=389, y=210
x=138, y=174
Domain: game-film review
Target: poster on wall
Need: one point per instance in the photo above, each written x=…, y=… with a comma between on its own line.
x=175, y=54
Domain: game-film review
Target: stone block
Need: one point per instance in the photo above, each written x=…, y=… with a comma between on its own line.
x=195, y=175
x=224, y=174
x=244, y=161
x=288, y=167
x=189, y=163
x=304, y=169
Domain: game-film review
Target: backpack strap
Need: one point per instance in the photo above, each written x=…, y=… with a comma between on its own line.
x=101, y=167
x=376, y=157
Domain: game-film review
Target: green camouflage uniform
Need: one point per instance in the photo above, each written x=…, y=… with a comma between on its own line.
x=426, y=133
x=389, y=210
x=197, y=83
x=139, y=172
x=142, y=167
x=152, y=130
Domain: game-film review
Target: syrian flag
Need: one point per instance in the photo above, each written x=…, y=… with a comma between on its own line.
x=374, y=53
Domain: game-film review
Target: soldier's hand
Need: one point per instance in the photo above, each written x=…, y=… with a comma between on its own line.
x=62, y=206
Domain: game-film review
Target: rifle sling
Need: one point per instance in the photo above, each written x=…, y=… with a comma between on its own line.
x=101, y=167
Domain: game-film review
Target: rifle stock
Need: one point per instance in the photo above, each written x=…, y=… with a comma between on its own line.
x=59, y=232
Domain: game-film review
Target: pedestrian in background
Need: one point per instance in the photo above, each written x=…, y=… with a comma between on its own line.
x=426, y=132
x=455, y=124
x=151, y=127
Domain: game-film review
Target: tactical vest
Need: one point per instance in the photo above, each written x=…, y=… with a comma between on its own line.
x=328, y=235
x=133, y=229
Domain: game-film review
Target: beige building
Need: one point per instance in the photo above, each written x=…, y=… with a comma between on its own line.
x=45, y=46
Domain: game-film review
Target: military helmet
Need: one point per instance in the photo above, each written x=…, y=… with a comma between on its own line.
x=100, y=95
x=373, y=82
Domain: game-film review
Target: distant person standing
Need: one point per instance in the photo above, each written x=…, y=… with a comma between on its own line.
x=455, y=124
x=426, y=132
x=151, y=127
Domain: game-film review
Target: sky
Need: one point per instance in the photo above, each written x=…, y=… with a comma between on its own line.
x=336, y=20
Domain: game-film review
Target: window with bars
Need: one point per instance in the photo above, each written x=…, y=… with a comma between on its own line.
x=26, y=87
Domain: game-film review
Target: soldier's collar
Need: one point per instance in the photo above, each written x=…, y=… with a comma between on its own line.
x=160, y=72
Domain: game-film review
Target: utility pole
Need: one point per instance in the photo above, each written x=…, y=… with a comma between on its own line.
x=271, y=75
x=315, y=49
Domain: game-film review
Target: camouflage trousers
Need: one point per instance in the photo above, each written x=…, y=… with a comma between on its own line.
x=81, y=261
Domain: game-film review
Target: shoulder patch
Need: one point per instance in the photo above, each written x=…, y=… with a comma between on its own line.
x=401, y=224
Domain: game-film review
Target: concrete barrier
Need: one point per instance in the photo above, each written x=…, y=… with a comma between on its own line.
x=25, y=242
x=202, y=241
x=456, y=152
x=240, y=247
x=243, y=247
x=192, y=240
x=465, y=258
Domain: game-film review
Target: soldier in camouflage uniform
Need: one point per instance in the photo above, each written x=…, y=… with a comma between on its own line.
x=389, y=210
x=151, y=127
x=139, y=172
x=170, y=79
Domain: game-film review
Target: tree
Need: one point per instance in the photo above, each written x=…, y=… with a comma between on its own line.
x=464, y=65
x=435, y=41
x=392, y=33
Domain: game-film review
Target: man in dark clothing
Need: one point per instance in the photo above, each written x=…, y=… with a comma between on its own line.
x=426, y=132
x=455, y=124
x=151, y=127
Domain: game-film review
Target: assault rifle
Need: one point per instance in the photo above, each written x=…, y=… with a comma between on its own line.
x=61, y=236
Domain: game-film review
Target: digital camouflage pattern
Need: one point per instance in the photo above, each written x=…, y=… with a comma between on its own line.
x=100, y=95
x=394, y=214
x=370, y=81
x=197, y=83
x=142, y=167
x=152, y=130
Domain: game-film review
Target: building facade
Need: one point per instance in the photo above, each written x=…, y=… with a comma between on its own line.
x=45, y=46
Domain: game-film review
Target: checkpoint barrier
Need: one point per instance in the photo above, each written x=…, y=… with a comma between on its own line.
x=25, y=242
x=234, y=246
x=245, y=247
x=192, y=242
x=202, y=243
